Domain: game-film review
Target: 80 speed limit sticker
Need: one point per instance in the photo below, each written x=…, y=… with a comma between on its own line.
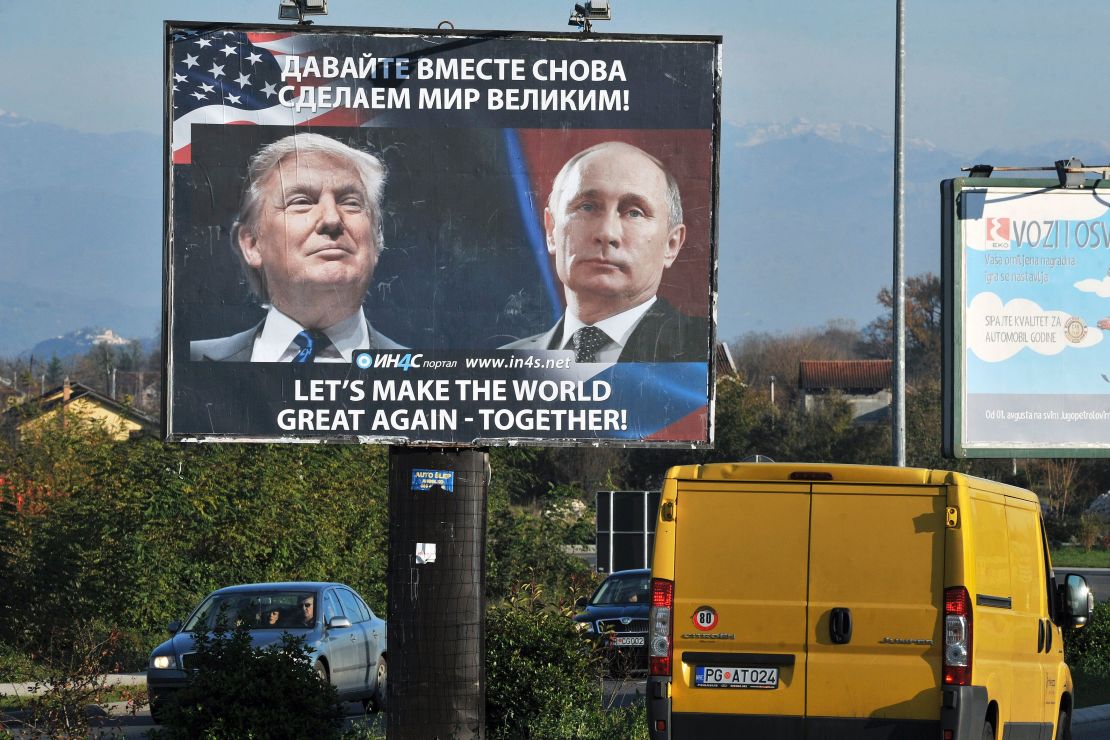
x=705, y=618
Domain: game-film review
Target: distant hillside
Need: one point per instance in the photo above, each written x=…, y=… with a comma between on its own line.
x=807, y=214
x=80, y=232
x=80, y=341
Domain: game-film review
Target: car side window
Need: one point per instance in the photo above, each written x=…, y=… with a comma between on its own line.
x=350, y=606
x=1050, y=576
x=331, y=607
x=366, y=613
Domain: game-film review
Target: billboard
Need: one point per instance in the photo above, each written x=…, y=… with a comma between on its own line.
x=439, y=237
x=1027, y=310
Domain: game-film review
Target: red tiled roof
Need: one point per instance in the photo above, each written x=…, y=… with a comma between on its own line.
x=844, y=374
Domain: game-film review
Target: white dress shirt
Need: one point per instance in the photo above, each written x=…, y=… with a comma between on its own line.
x=275, y=342
x=618, y=328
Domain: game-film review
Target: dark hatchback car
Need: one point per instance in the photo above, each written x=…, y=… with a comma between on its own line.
x=348, y=641
x=616, y=617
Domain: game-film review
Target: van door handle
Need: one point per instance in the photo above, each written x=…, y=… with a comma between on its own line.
x=1040, y=635
x=840, y=626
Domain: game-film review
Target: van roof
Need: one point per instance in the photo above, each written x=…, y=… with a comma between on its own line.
x=836, y=473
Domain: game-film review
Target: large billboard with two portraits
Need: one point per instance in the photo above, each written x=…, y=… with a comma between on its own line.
x=439, y=237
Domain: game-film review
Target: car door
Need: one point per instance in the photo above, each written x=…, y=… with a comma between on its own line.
x=342, y=645
x=366, y=658
x=876, y=566
x=740, y=600
x=1029, y=609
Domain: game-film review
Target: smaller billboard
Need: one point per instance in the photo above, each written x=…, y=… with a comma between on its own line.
x=1027, y=312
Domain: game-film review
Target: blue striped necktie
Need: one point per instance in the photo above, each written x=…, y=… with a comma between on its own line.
x=311, y=343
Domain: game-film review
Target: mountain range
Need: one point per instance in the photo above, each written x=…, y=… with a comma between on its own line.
x=805, y=231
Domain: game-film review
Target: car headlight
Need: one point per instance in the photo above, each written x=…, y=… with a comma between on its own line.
x=586, y=627
x=162, y=661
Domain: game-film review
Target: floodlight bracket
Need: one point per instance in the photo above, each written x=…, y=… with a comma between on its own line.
x=586, y=13
x=1070, y=172
x=296, y=10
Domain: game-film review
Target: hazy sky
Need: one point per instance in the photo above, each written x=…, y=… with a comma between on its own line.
x=979, y=74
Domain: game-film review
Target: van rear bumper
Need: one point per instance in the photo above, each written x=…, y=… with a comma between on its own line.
x=690, y=726
x=694, y=726
x=963, y=709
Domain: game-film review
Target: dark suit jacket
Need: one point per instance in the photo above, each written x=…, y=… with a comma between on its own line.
x=662, y=335
x=239, y=347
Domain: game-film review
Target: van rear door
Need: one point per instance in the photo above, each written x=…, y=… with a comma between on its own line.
x=740, y=603
x=876, y=599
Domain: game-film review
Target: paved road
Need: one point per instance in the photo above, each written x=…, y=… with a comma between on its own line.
x=1097, y=578
x=1091, y=723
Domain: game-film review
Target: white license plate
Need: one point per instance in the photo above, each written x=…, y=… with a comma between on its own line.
x=732, y=677
x=628, y=640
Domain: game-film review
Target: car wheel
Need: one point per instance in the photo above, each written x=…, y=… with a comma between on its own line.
x=322, y=672
x=156, y=715
x=1063, y=726
x=988, y=730
x=378, y=700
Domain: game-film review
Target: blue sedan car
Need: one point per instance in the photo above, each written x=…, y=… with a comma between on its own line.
x=348, y=641
x=616, y=617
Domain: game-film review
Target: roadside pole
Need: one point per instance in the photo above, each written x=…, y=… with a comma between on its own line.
x=436, y=582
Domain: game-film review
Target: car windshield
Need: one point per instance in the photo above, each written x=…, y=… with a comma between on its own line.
x=256, y=610
x=623, y=590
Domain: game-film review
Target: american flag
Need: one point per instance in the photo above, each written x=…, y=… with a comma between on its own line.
x=231, y=77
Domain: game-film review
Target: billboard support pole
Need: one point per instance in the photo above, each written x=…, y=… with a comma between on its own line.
x=898, y=410
x=436, y=582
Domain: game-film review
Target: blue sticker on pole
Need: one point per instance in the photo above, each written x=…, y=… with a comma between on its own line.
x=426, y=480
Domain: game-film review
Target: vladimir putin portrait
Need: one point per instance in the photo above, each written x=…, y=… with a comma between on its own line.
x=308, y=236
x=614, y=225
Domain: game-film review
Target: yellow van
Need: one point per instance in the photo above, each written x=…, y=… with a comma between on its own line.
x=843, y=601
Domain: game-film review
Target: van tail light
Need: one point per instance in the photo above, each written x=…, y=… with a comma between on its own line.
x=660, y=627
x=957, y=637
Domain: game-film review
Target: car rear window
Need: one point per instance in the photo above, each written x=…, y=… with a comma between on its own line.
x=623, y=590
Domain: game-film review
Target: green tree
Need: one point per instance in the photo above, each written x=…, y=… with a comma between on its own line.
x=924, y=339
x=55, y=372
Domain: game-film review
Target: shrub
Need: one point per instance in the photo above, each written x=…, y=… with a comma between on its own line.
x=72, y=683
x=240, y=691
x=16, y=665
x=1090, y=530
x=1088, y=648
x=543, y=678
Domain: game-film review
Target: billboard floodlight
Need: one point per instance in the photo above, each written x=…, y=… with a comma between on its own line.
x=586, y=13
x=296, y=10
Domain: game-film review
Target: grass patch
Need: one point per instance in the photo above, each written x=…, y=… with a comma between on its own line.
x=1077, y=557
x=1091, y=690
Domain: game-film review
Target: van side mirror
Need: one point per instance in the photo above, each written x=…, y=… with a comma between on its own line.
x=1076, y=600
x=173, y=627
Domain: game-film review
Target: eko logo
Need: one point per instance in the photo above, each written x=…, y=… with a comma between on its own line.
x=407, y=361
x=998, y=233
